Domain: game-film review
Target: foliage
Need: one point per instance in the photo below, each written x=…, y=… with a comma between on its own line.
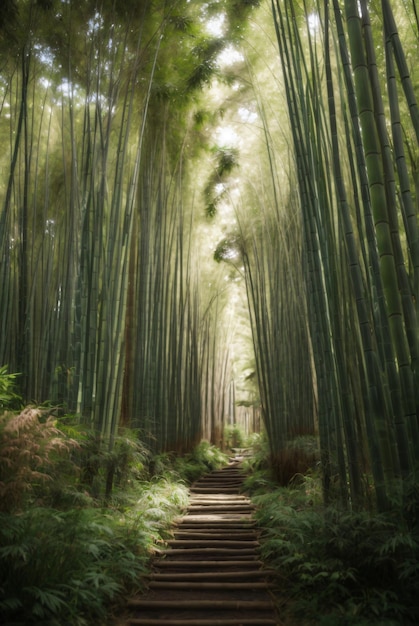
x=102, y=468
x=159, y=502
x=9, y=398
x=68, y=549
x=30, y=445
x=65, y=567
x=287, y=466
x=294, y=460
x=202, y=459
x=234, y=436
x=259, y=478
x=226, y=160
x=348, y=567
x=187, y=467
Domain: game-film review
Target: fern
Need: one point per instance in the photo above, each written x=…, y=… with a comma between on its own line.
x=47, y=601
x=9, y=398
x=338, y=561
x=67, y=566
x=30, y=444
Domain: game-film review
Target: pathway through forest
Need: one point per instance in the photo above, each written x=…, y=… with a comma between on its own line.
x=210, y=574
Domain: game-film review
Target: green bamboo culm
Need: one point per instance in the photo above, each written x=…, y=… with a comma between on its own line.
x=319, y=277
x=379, y=207
x=359, y=291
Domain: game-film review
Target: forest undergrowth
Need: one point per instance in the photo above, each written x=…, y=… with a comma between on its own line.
x=335, y=567
x=78, y=524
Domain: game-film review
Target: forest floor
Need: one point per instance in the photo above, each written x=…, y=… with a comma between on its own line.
x=210, y=574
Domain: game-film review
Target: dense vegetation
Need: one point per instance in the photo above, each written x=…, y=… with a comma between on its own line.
x=335, y=567
x=78, y=525
x=208, y=216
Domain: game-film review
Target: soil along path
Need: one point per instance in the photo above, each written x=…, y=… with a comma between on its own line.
x=211, y=574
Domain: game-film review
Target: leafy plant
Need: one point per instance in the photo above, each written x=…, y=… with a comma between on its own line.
x=296, y=463
x=104, y=473
x=125, y=463
x=9, y=397
x=70, y=564
x=234, y=436
x=293, y=460
x=260, y=447
x=65, y=567
x=187, y=467
x=337, y=562
x=30, y=443
x=203, y=458
x=159, y=502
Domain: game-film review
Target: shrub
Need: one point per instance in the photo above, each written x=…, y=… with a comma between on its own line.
x=159, y=502
x=65, y=567
x=188, y=467
x=203, y=458
x=234, y=436
x=9, y=397
x=296, y=463
x=340, y=563
x=299, y=456
x=30, y=445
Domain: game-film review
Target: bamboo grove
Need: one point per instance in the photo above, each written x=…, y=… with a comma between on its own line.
x=100, y=306
x=107, y=306
x=328, y=244
x=350, y=92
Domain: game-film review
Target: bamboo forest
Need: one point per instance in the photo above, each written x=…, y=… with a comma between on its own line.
x=209, y=255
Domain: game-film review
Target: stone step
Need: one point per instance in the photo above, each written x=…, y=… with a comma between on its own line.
x=210, y=574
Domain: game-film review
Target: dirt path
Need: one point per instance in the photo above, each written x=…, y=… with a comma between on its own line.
x=211, y=574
